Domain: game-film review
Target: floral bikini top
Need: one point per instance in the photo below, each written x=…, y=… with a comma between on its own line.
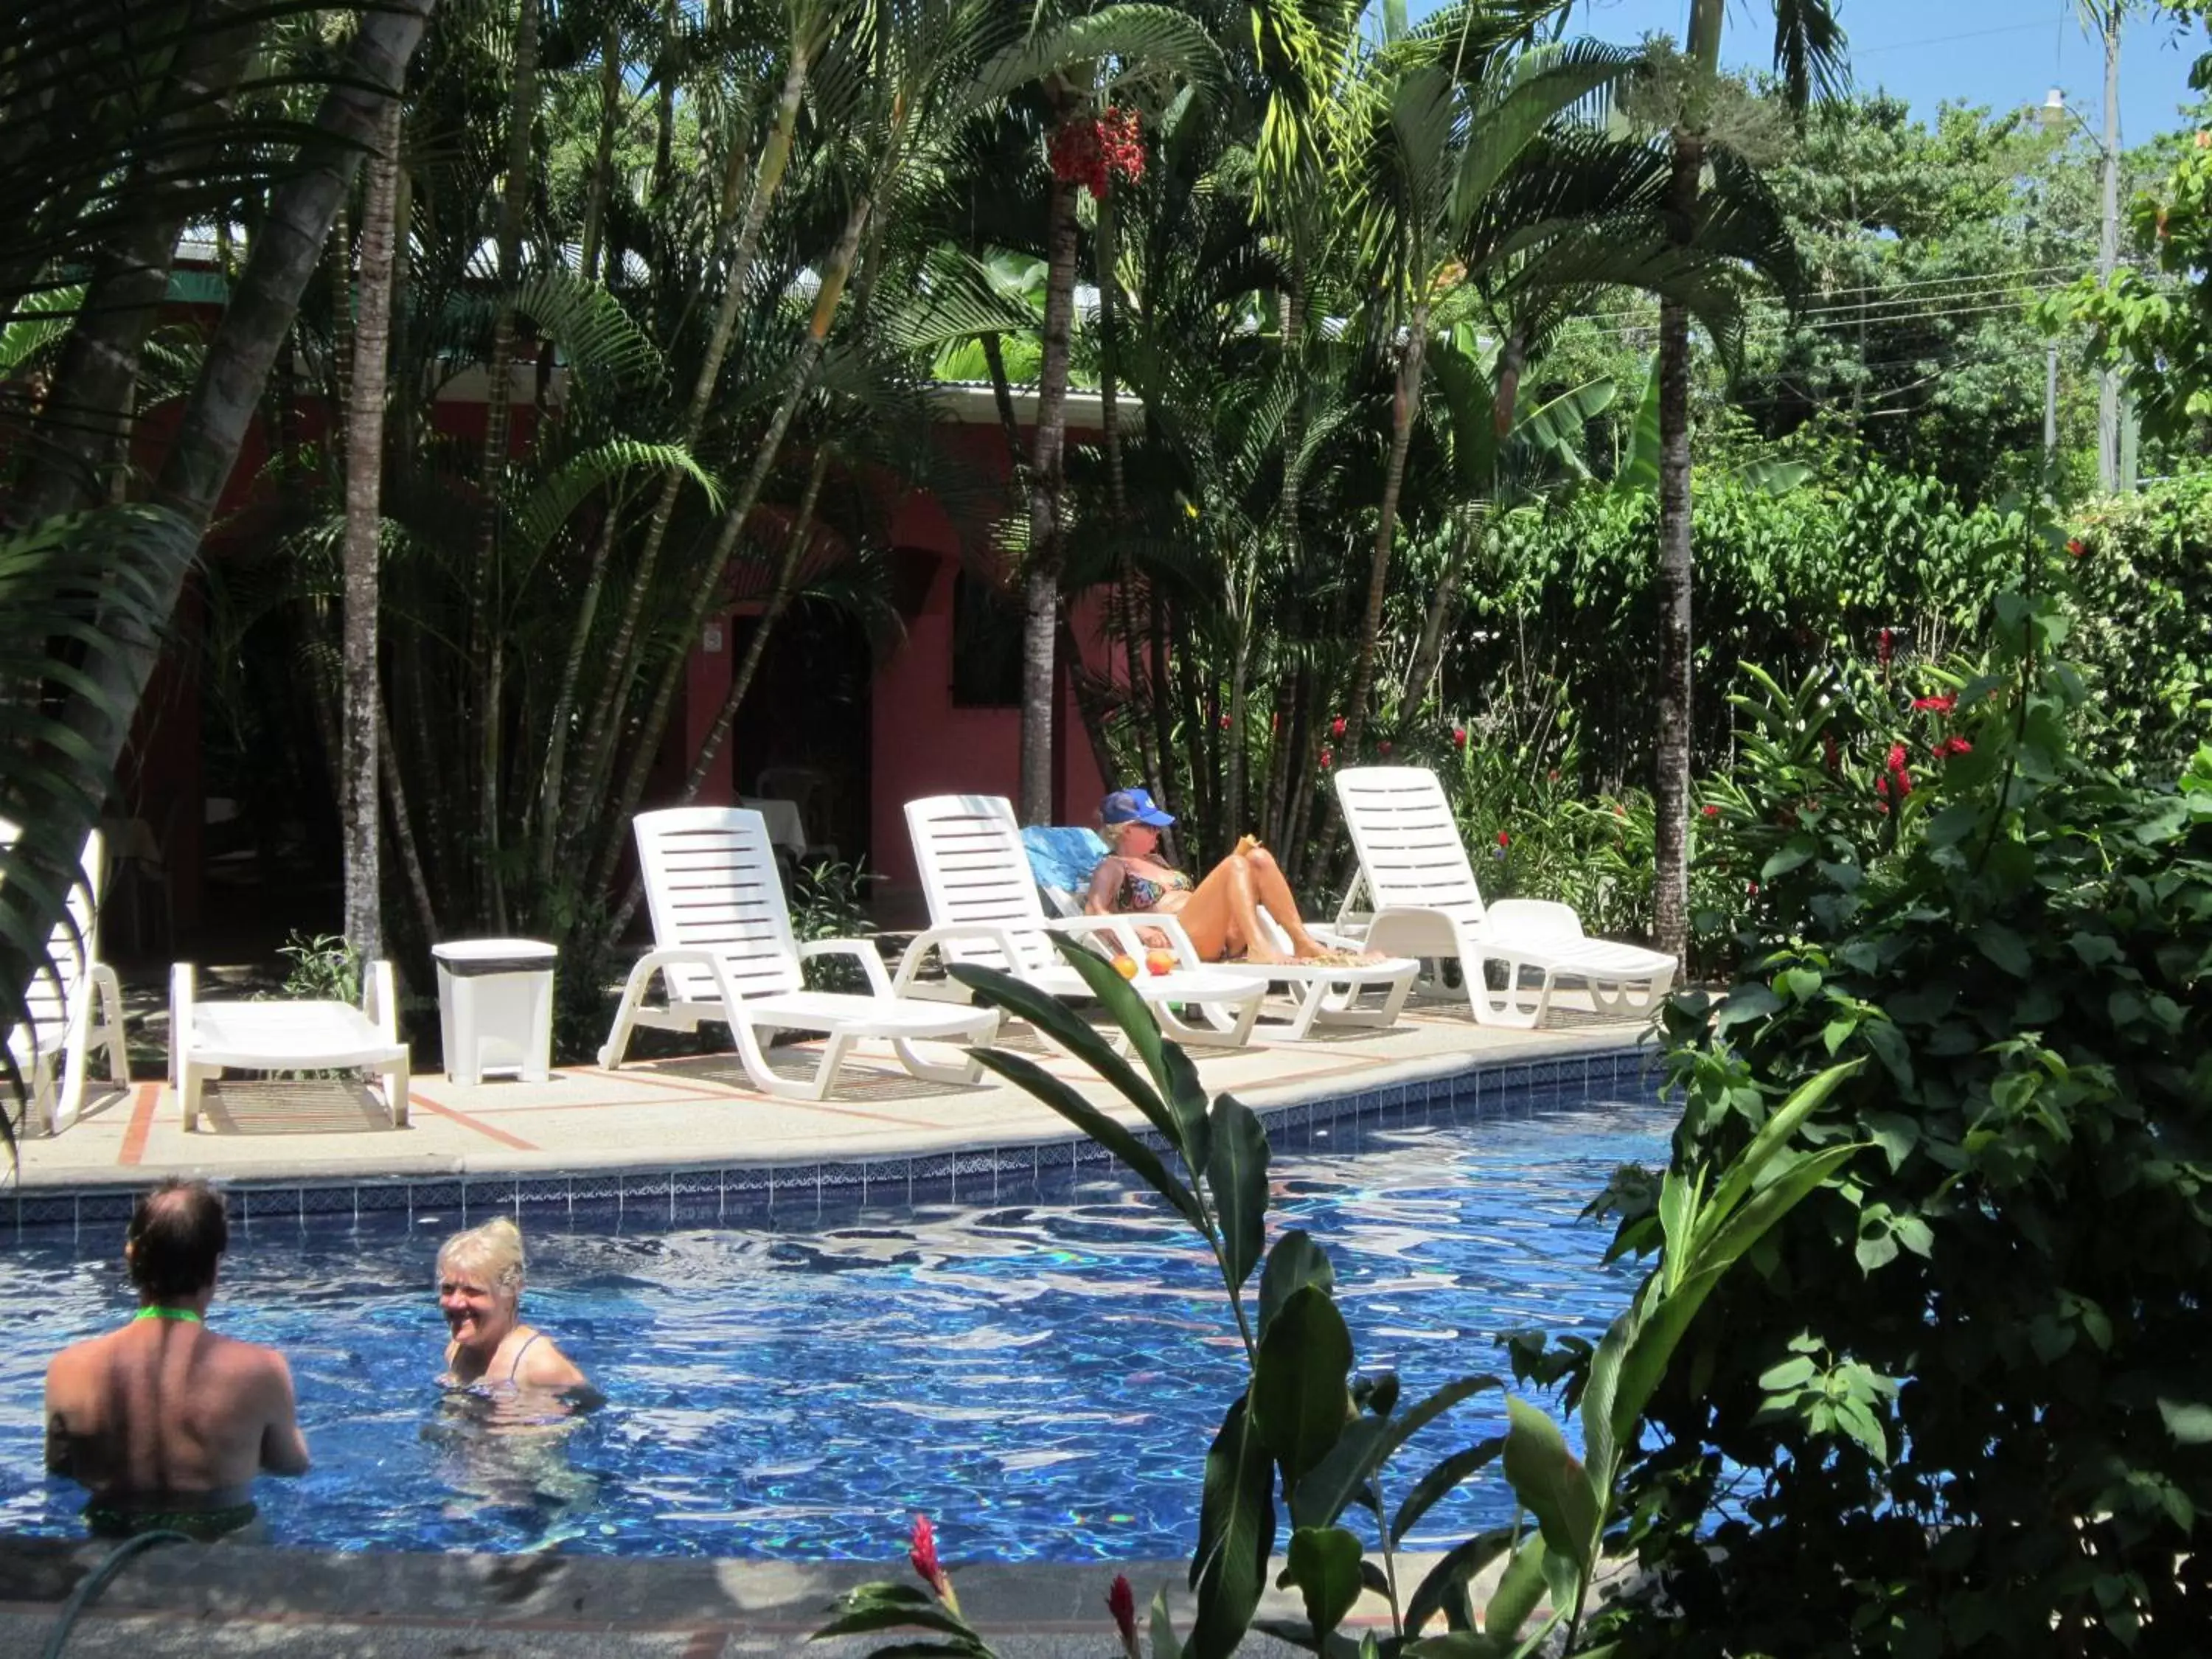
x=1143, y=893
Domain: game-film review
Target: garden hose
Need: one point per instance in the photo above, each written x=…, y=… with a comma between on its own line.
x=96, y=1581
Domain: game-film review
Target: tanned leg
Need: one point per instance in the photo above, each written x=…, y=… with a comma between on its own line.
x=1222, y=916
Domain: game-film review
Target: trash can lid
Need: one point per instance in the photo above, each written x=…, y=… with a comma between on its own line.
x=470, y=957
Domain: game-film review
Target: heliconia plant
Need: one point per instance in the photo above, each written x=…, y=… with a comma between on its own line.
x=1307, y=1440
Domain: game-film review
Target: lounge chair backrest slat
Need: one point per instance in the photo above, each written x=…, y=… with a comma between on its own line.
x=974, y=869
x=711, y=883
x=1408, y=841
x=71, y=947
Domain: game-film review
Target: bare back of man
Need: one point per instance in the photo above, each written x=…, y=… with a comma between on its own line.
x=165, y=1415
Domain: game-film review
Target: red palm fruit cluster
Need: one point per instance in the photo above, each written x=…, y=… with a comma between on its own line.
x=1090, y=150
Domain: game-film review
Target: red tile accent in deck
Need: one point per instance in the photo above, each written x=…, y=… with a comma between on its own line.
x=142, y=1124
x=476, y=1123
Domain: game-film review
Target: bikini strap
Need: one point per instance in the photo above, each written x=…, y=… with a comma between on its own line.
x=515, y=1369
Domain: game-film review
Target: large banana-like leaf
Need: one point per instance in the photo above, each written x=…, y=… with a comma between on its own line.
x=1155, y=40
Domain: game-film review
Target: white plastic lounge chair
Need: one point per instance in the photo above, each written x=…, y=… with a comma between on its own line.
x=74, y=1005
x=724, y=951
x=207, y=1038
x=1414, y=869
x=984, y=910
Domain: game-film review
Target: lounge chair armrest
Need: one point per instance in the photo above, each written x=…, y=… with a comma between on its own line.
x=862, y=950
x=933, y=941
x=1533, y=919
x=379, y=1002
x=1126, y=931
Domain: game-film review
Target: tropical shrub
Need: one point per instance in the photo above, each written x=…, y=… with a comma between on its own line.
x=2141, y=592
x=1307, y=1439
x=1789, y=580
x=1959, y=1405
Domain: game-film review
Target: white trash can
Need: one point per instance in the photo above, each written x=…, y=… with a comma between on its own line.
x=495, y=1007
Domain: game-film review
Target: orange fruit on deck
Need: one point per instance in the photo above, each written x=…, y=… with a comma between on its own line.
x=1126, y=966
x=1160, y=962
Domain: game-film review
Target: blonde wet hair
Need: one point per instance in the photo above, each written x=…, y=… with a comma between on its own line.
x=494, y=1250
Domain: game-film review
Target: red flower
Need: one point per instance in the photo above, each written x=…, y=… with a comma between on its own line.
x=1896, y=761
x=1885, y=644
x=923, y=1558
x=1224, y=722
x=1712, y=812
x=1328, y=759
x=2076, y=547
x=1121, y=1602
x=1951, y=746
x=1386, y=746
x=1552, y=776
x=1336, y=727
x=1942, y=705
x=1752, y=888
x=1504, y=840
x=1459, y=736
x=1619, y=811
x=1835, y=756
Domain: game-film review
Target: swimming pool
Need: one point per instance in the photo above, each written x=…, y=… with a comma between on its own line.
x=1040, y=1377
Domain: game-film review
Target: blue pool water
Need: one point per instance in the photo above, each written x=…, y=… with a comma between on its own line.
x=1040, y=1378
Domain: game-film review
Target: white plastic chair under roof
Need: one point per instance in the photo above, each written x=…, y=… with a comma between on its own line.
x=1415, y=871
x=724, y=951
x=984, y=908
x=73, y=1004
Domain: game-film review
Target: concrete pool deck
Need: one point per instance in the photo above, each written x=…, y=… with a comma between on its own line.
x=699, y=1112
x=196, y=1602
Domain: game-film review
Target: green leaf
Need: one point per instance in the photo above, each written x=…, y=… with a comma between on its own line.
x=1054, y=1018
x=892, y=1607
x=1176, y=1081
x=1165, y=1644
x=1027, y=1075
x=1519, y=1589
x=1236, y=1531
x=1366, y=1444
x=1791, y=1373
x=1300, y=1400
x=2189, y=1421
x=2005, y=948
x=1440, y=1479
x=1295, y=1262
x=1773, y=1136
x=1324, y=1563
x=1550, y=1481
x=1236, y=1176
x=1446, y=1579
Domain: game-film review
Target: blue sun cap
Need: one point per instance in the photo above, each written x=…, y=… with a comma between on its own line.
x=1132, y=806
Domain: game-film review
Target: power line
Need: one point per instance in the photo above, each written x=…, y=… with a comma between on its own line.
x=1943, y=39
x=1778, y=327
x=1987, y=280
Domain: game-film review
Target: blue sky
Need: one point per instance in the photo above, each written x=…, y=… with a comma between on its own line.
x=1998, y=53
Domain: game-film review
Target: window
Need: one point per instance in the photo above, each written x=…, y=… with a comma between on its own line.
x=986, y=645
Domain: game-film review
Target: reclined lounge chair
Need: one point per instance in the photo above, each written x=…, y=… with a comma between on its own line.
x=1414, y=869
x=724, y=951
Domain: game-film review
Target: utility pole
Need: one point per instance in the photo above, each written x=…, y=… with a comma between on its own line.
x=2108, y=244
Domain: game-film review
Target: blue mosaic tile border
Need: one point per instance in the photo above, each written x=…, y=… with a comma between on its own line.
x=697, y=1196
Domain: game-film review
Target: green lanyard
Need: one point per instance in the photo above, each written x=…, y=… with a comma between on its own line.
x=155, y=1310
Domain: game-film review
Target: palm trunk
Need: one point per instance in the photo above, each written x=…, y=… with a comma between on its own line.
x=1670, y=893
x=236, y=365
x=1404, y=411
x=1041, y=577
x=403, y=832
x=645, y=737
x=603, y=152
x=364, y=475
x=1443, y=604
x=615, y=688
x=487, y=634
x=85, y=420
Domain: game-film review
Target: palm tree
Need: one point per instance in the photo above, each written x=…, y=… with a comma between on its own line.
x=1808, y=56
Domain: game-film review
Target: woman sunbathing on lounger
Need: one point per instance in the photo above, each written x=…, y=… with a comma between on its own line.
x=1221, y=911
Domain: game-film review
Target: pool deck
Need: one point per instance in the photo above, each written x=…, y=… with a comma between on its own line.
x=700, y=1112
x=198, y=1601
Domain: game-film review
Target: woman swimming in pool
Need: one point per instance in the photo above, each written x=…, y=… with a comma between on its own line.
x=480, y=1293
x=1220, y=911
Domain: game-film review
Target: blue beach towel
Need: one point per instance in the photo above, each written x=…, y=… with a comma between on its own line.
x=1062, y=861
